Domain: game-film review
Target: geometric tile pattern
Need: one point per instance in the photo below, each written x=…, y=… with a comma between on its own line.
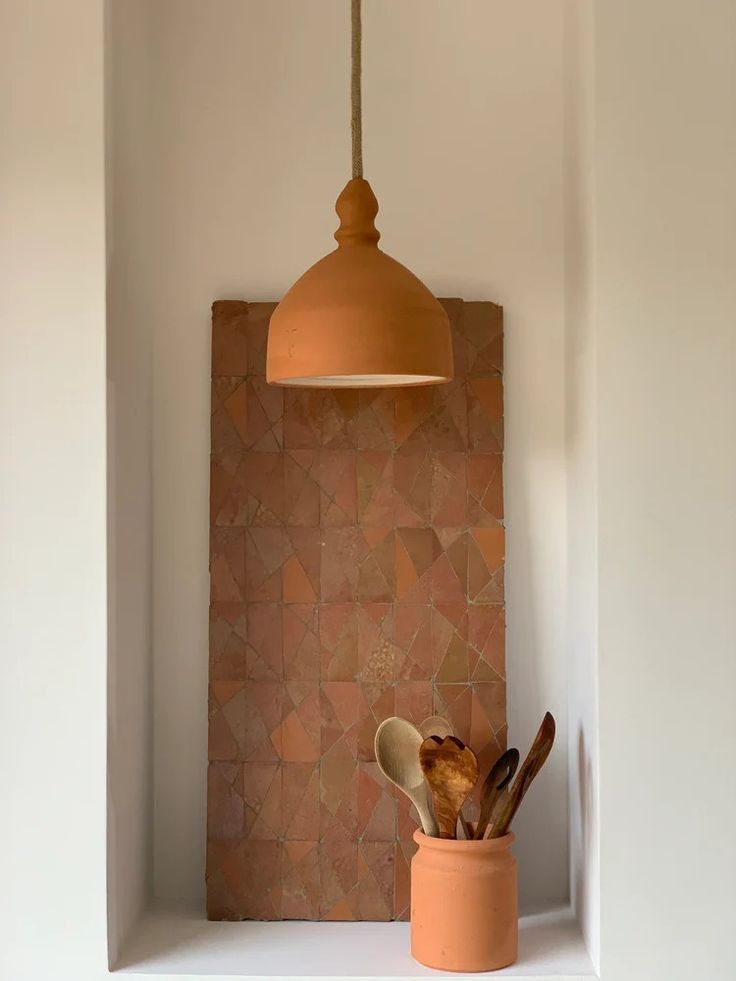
x=357, y=572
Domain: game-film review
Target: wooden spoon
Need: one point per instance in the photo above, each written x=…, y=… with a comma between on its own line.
x=508, y=805
x=451, y=770
x=499, y=776
x=397, y=745
x=435, y=725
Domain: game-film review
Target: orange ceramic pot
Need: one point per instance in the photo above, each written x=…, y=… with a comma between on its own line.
x=464, y=914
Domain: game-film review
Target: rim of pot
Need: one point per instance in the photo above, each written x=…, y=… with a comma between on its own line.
x=462, y=844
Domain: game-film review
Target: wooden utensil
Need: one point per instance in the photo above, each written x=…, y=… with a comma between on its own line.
x=435, y=725
x=508, y=805
x=499, y=776
x=451, y=770
x=397, y=745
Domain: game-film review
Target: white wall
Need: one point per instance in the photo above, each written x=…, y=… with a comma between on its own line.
x=582, y=483
x=247, y=150
x=129, y=353
x=665, y=246
x=52, y=490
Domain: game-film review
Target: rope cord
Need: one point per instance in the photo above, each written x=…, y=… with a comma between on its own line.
x=356, y=109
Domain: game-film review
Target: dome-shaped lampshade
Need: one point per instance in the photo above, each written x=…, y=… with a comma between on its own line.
x=358, y=318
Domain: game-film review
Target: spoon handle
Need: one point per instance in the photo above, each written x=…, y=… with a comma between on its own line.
x=508, y=805
x=499, y=776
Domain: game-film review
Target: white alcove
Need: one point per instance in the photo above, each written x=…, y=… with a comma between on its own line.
x=227, y=144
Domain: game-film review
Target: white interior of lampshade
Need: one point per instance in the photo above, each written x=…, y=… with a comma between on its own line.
x=363, y=381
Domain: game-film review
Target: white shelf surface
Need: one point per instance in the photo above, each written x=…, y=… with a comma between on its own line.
x=178, y=942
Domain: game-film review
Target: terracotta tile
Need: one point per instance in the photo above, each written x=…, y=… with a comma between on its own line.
x=262, y=793
x=256, y=717
x=300, y=801
x=376, y=573
x=343, y=707
x=356, y=572
x=225, y=438
x=453, y=702
x=228, y=634
x=449, y=507
x=376, y=805
x=485, y=488
x=486, y=634
x=338, y=488
x=300, y=877
x=220, y=487
x=339, y=793
x=486, y=547
x=447, y=426
x=373, y=427
x=225, y=807
x=413, y=641
x=340, y=410
x=302, y=563
x=455, y=310
x=485, y=413
x=229, y=337
x=375, y=488
x=338, y=627
x=301, y=641
x=264, y=556
x=342, y=554
x=377, y=652
x=297, y=738
x=483, y=328
x=381, y=703
x=450, y=657
x=414, y=700
x=413, y=412
x=403, y=853
x=260, y=498
x=417, y=549
x=302, y=418
x=407, y=819
x=264, y=648
x=412, y=475
x=227, y=565
x=261, y=422
x=259, y=315
x=301, y=488
x=375, y=880
x=339, y=880
x=243, y=880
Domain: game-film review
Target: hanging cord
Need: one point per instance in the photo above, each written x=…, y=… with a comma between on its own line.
x=356, y=110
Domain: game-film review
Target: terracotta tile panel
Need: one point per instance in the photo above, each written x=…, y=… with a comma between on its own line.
x=356, y=571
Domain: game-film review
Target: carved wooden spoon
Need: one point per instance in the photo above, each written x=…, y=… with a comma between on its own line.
x=499, y=776
x=451, y=770
x=397, y=745
x=508, y=805
x=435, y=725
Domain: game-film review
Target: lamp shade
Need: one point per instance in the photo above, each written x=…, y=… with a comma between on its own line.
x=358, y=318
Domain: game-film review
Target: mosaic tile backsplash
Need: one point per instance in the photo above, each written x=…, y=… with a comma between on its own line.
x=356, y=564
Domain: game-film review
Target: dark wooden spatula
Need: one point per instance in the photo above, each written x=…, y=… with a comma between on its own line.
x=451, y=770
x=499, y=776
x=507, y=806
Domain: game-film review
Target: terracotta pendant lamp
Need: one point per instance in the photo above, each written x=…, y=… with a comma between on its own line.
x=358, y=318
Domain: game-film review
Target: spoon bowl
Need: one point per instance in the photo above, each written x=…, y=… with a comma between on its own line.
x=397, y=745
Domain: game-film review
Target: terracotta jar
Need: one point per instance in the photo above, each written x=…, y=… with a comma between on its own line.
x=464, y=914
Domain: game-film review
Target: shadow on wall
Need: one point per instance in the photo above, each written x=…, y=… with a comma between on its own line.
x=586, y=818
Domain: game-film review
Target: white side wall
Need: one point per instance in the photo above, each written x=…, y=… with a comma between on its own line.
x=249, y=148
x=129, y=353
x=52, y=490
x=582, y=484
x=665, y=244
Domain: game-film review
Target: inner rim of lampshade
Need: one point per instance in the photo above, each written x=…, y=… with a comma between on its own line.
x=362, y=381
